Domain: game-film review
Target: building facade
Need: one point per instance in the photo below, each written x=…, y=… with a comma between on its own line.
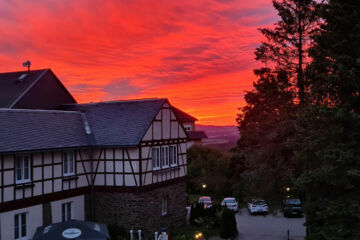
x=121, y=162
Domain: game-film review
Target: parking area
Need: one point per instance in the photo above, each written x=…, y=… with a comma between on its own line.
x=269, y=227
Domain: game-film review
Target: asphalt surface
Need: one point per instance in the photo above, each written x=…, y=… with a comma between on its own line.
x=269, y=227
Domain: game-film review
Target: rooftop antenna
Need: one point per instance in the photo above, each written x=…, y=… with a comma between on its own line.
x=27, y=64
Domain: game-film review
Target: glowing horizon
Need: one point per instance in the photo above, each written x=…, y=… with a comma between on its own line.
x=198, y=54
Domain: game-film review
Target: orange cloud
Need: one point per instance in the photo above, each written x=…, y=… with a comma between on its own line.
x=199, y=54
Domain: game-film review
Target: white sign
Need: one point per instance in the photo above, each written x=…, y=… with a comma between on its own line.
x=71, y=233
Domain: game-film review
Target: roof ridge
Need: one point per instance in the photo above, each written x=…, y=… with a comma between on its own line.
x=117, y=101
x=26, y=71
x=38, y=111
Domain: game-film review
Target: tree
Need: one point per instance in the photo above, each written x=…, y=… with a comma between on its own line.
x=266, y=122
x=328, y=148
x=286, y=45
x=228, y=226
x=335, y=69
x=264, y=126
x=327, y=140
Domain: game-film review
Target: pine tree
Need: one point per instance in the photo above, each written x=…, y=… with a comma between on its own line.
x=328, y=129
x=286, y=45
x=335, y=69
x=265, y=123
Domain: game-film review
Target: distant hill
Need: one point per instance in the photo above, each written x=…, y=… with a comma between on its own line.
x=221, y=137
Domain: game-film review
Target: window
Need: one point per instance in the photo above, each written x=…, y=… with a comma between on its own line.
x=68, y=163
x=187, y=127
x=22, y=168
x=164, y=156
x=66, y=211
x=156, y=157
x=20, y=226
x=173, y=155
x=164, y=205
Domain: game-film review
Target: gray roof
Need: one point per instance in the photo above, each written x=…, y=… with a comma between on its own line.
x=28, y=130
x=119, y=123
x=12, y=87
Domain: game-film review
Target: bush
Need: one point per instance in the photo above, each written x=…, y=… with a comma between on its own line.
x=116, y=232
x=228, y=227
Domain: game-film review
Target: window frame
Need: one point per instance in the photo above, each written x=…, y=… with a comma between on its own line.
x=66, y=211
x=156, y=160
x=164, y=157
x=22, y=169
x=173, y=155
x=66, y=161
x=20, y=227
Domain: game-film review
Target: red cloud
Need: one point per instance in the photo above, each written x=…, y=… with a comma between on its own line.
x=199, y=54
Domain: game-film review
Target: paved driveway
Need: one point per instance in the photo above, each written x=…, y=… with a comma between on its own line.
x=269, y=227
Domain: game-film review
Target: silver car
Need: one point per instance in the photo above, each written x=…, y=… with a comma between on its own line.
x=230, y=203
x=258, y=206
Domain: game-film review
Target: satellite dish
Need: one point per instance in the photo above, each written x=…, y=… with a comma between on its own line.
x=27, y=64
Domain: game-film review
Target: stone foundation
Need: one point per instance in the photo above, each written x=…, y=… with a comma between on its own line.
x=142, y=209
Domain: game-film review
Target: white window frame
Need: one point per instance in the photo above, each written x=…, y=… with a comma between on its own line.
x=164, y=156
x=20, y=165
x=173, y=153
x=67, y=163
x=66, y=211
x=164, y=205
x=20, y=226
x=156, y=158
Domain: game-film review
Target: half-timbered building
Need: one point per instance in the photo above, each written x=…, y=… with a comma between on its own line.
x=121, y=162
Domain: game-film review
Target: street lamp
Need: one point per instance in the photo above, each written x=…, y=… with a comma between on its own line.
x=287, y=189
x=203, y=185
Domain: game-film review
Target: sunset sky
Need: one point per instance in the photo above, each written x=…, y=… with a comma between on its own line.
x=198, y=54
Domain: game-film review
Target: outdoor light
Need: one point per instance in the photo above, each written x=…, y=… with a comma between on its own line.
x=198, y=235
x=204, y=186
x=287, y=189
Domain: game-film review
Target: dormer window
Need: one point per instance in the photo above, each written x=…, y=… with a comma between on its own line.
x=187, y=127
x=68, y=163
x=22, y=169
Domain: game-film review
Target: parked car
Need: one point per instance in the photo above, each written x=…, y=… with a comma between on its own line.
x=258, y=206
x=230, y=203
x=206, y=201
x=292, y=206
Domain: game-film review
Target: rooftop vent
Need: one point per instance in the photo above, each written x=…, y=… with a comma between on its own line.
x=21, y=78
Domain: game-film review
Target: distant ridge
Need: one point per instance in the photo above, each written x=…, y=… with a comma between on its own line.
x=223, y=138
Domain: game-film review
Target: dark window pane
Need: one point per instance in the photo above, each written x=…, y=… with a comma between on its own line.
x=68, y=211
x=63, y=212
x=16, y=223
x=18, y=168
x=65, y=163
x=23, y=225
x=26, y=167
x=71, y=162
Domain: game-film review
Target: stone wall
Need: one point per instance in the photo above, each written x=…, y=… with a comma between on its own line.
x=142, y=209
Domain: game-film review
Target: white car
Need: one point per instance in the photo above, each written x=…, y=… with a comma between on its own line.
x=230, y=203
x=258, y=206
x=206, y=201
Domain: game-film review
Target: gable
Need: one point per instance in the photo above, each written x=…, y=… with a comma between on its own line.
x=165, y=125
x=46, y=93
x=14, y=84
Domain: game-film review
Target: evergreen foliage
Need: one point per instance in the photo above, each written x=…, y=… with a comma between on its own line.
x=228, y=227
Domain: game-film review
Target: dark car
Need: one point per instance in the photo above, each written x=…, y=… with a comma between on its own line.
x=292, y=207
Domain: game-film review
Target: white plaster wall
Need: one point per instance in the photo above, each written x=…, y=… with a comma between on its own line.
x=148, y=134
x=166, y=123
x=78, y=208
x=157, y=130
x=34, y=220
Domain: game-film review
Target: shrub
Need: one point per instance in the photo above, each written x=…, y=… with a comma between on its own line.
x=228, y=226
